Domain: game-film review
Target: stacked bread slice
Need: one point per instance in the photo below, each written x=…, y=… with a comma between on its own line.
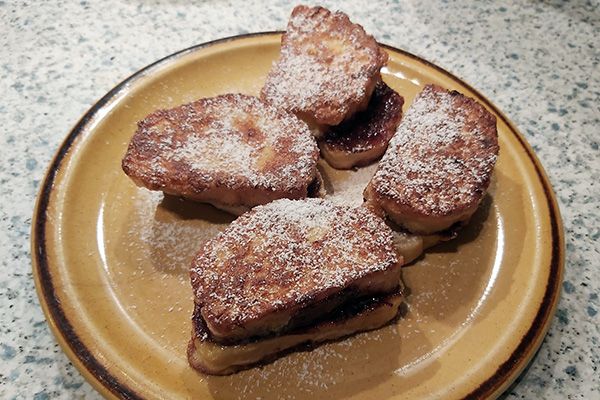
x=232, y=151
x=328, y=74
x=291, y=273
x=438, y=165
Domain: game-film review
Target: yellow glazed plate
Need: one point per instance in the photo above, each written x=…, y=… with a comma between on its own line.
x=110, y=260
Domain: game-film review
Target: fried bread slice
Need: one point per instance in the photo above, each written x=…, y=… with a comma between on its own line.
x=327, y=69
x=233, y=151
x=362, y=139
x=439, y=163
x=285, y=264
x=213, y=358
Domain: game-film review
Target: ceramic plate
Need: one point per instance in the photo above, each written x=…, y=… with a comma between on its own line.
x=110, y=260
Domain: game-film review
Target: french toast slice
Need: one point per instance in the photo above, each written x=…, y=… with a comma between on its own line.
x=213, y=358
x=363, y=139
x=286, y=264
x=439, y=163
x=233, y=151
x=327, y=68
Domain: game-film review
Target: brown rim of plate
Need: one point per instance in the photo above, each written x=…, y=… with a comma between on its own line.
x=105, y=381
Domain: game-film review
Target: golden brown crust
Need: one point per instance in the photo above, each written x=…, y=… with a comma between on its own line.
x=362, y=139
x=231, y=149
x=327, y=69
x=281, y=258
x=438, y=164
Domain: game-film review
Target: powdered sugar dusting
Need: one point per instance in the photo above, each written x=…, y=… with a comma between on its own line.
x=287, y=252
x=325, y=65
x=442, y=155
x=348, y=184
x=169, y=241
x=229, y=140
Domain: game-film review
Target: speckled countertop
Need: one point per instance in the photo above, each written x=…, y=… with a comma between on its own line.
x=538, y=61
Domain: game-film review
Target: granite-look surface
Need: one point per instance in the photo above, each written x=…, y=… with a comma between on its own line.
x=539, y=62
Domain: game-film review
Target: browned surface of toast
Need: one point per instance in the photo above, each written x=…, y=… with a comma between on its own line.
x=279, y=259
x=439, y=163
x=232, y=149
x=327, y=68
x=363, y=139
